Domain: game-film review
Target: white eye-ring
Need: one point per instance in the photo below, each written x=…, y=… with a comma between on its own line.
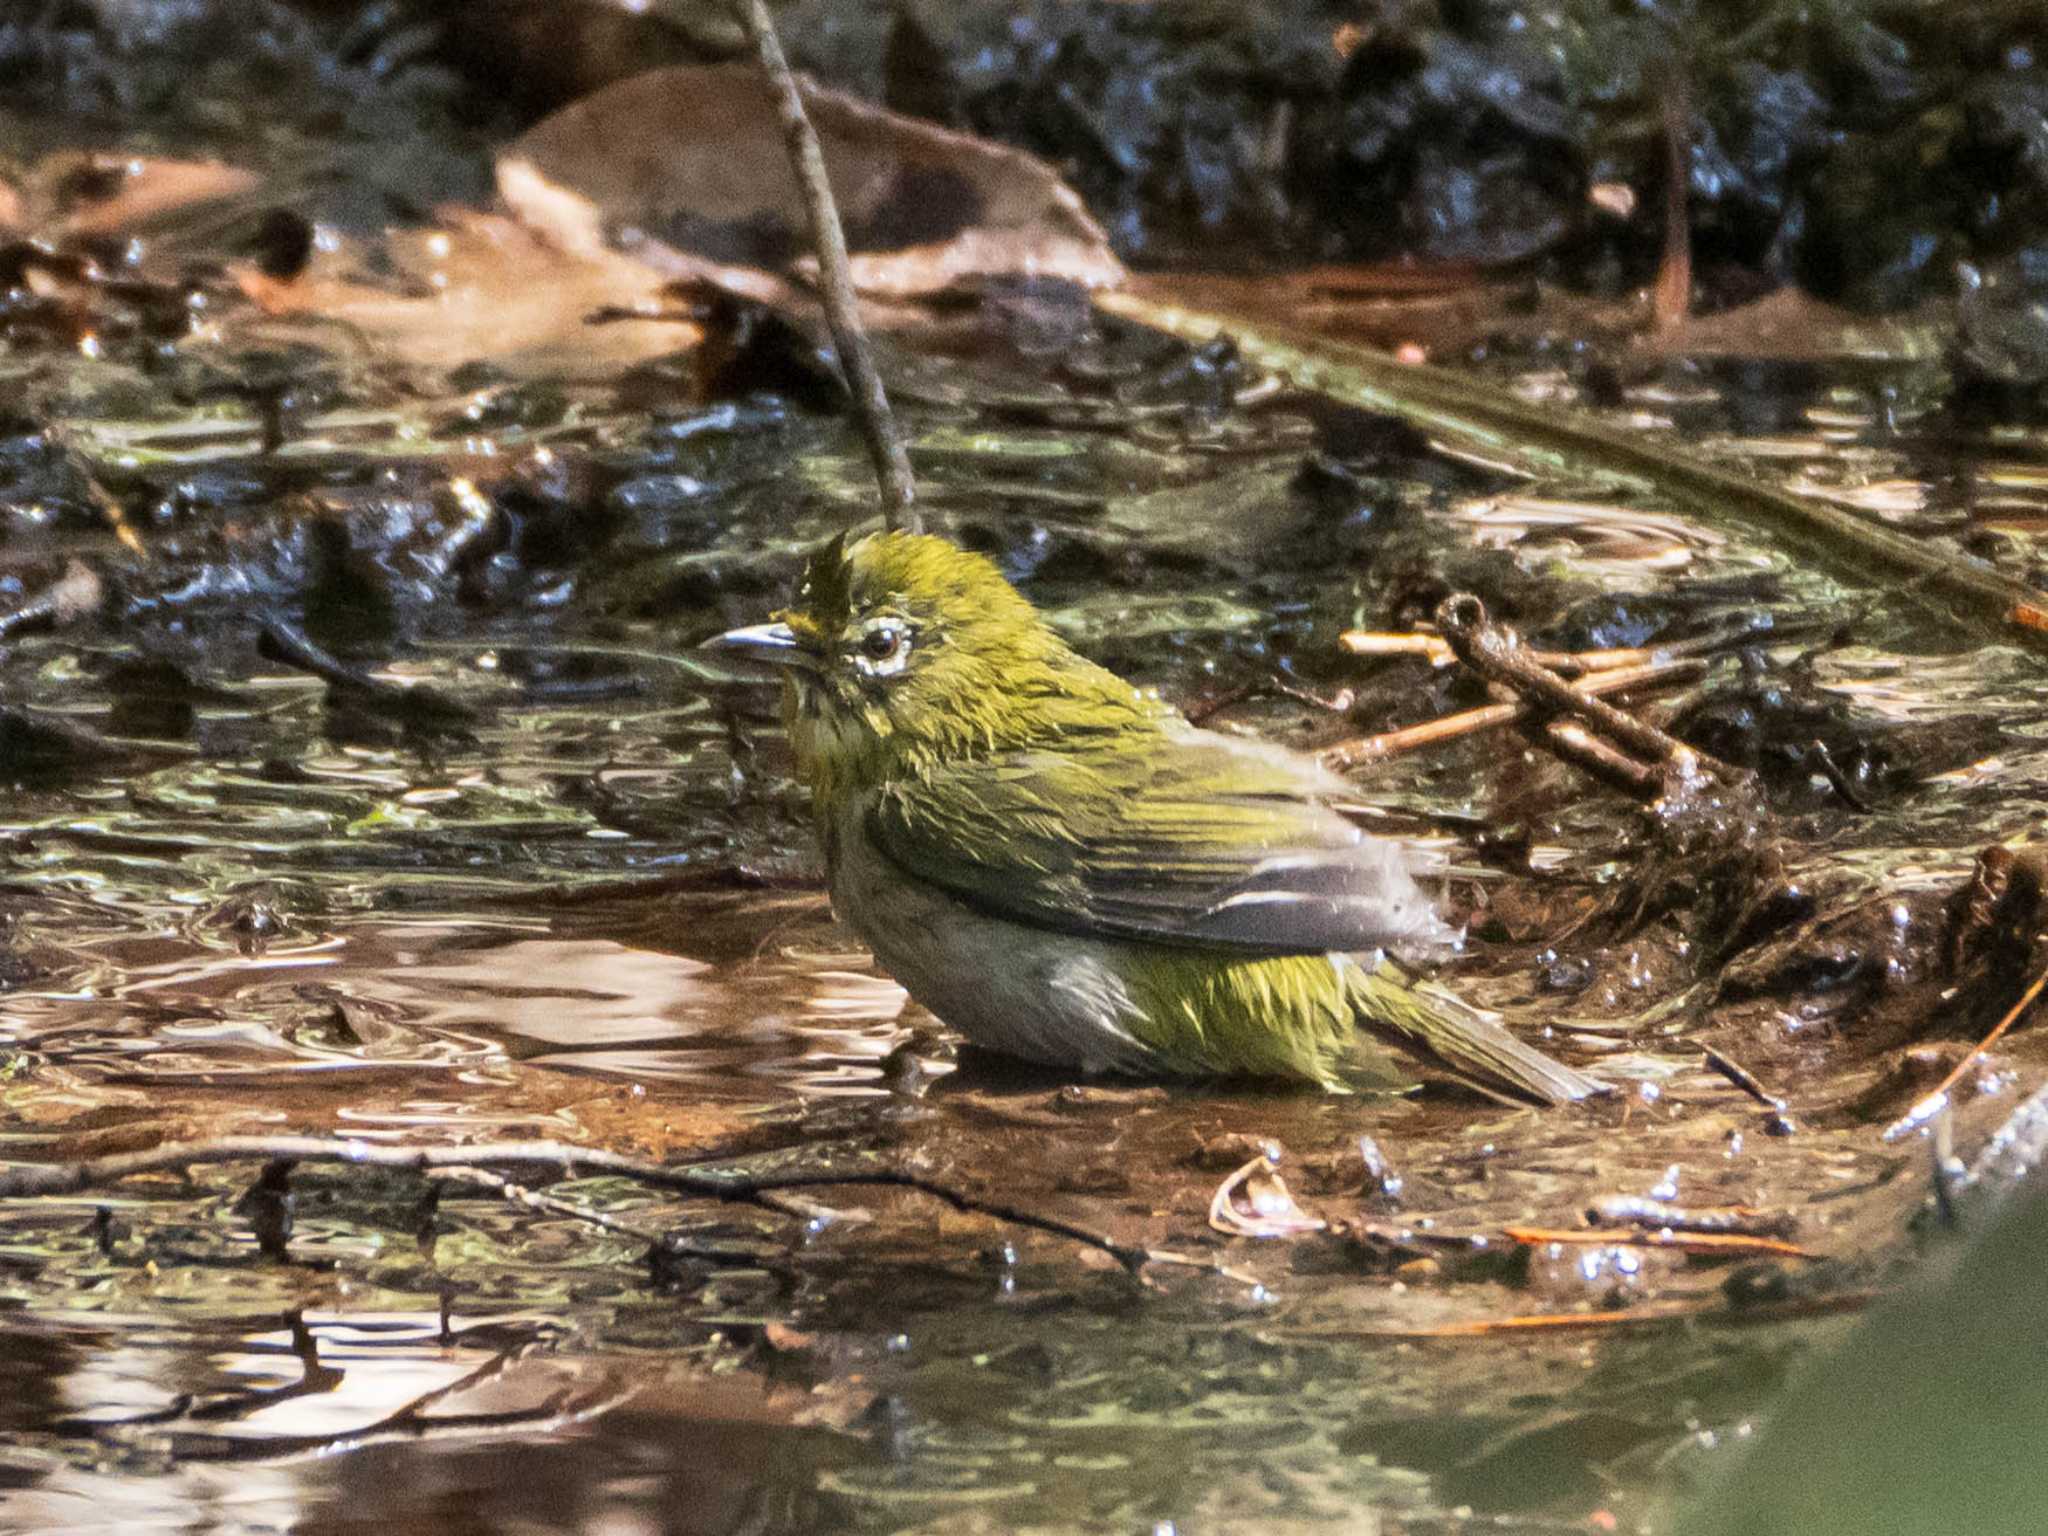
x=884, y=647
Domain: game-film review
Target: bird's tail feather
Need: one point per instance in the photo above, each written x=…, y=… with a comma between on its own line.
x=1470, y=1042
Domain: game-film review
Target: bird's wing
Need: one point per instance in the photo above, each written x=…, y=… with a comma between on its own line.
x=1199, y=839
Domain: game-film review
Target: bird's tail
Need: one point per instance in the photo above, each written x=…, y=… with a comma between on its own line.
x=1470, y=1042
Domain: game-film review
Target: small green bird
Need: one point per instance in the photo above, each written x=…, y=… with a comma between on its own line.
x=1064, y=870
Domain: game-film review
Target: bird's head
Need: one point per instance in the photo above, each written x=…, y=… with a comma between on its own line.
x=904, y=649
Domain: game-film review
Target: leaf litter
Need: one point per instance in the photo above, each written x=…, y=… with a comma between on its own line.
x=403, y=932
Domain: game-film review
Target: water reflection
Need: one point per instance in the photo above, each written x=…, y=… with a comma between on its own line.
x=318, y=1424
x=443, y=995
x=589, y=915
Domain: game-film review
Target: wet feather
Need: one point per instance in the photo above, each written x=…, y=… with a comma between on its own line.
x=1062, y=868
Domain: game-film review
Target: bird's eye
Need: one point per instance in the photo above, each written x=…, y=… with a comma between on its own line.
x=884, y=647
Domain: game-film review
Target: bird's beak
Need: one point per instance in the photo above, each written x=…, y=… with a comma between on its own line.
x=775, y=644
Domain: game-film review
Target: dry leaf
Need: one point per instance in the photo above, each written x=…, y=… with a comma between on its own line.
x=95, y=194
x=692, y=159
x=575, y=225
x=1255, y=1202
x=483, y=286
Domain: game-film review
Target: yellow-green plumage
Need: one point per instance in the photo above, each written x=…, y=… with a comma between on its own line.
x=1061, y=868
x=1285, y=1016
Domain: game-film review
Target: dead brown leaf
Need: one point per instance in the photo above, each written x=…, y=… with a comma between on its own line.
x=1256, y=1202
x=483, y=286
x=98, y=194
x=689, y=161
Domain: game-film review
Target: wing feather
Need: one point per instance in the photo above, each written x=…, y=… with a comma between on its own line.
x=1203, y=840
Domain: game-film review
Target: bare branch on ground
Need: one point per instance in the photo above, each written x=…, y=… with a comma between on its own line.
x=732, y=1185
x=1408, y=738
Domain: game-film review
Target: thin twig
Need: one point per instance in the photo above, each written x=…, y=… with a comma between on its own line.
x=1575, y=744
x=1830, y=770
x=1377, y=642
x=1433, y=648
x=109, y=505
x=1699, y=1313
x=1496, y=654
x=534, y=1200
x=835, y=275
x=1643, y=1211
x=1653, y=1313
x=1413, y=738
x=1934, y=1103
x=1742, y=1078
x=1365, y=749
x=1437, y=651
x=282, y=641
x=1705, y=1244
x=1202, y=1261
x=555, y=1157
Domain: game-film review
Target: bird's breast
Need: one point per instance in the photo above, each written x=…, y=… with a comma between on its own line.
x=1007, y=986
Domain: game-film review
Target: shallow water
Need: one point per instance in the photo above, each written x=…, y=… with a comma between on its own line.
x=576, y=902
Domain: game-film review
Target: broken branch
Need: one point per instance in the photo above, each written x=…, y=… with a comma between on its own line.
x=554, y=1157
x=1409, y=738
x=1496, y=654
